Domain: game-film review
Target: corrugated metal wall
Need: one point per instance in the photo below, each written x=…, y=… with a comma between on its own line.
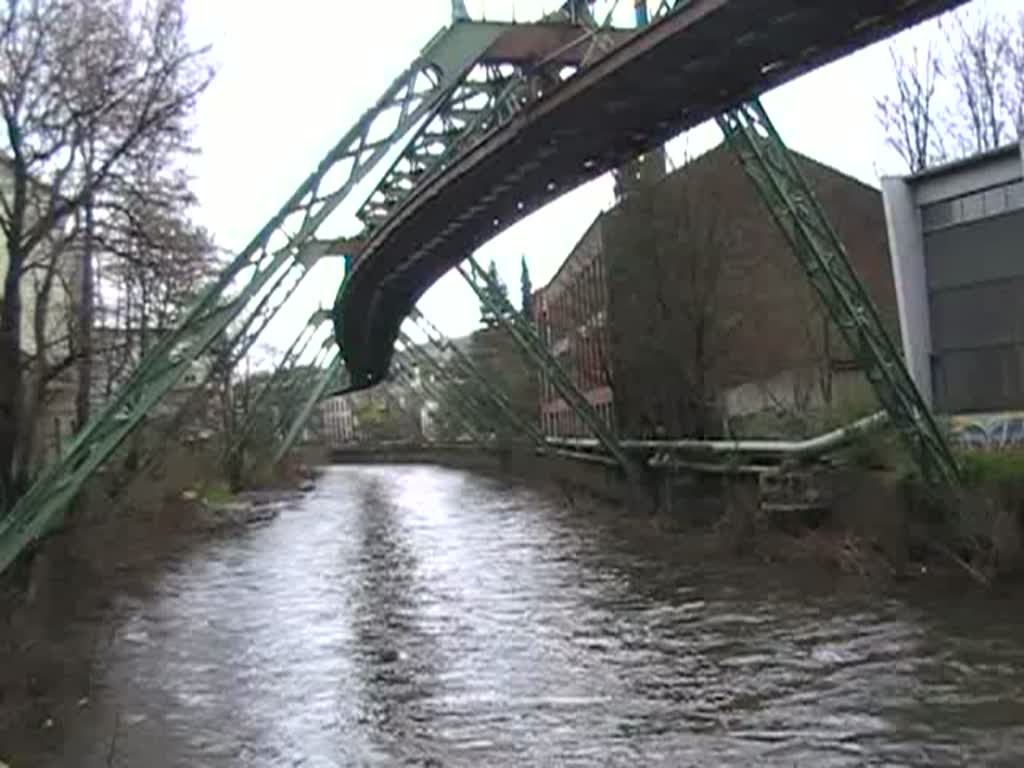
x=976, y=291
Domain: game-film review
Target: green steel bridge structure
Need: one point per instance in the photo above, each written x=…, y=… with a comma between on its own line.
x=489, y=123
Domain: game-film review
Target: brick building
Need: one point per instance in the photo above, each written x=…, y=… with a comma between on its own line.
x=571, y=315
x=684, y=306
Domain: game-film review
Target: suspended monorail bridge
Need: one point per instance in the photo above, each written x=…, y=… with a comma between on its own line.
x=489, y=123
x=695, y=64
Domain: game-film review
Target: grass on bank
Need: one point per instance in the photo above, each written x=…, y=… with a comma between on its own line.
x=992, y=467
x=216, y=493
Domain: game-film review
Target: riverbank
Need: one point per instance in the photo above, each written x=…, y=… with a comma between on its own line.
x=875, y=522
x=416, y=614
x=123, y=531
x=56, y=602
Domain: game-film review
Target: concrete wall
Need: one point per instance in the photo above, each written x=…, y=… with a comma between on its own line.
x=60, y=308
x=906, y=248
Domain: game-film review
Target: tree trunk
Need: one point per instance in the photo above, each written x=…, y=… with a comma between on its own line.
x=10, y=382
x=86, y=316
x=10, y=344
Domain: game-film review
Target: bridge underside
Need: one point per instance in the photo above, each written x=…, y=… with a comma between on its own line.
x=690, y=67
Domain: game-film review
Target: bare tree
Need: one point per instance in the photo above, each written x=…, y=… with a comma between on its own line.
x=908, y=115
x=962, y=98
x=152, y=258
x=1014, y=82
x=87, y=88
x=980, y=119
x=672, y=325
x=698, y=245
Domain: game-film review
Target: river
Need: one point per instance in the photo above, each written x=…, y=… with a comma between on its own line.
x=433, y=617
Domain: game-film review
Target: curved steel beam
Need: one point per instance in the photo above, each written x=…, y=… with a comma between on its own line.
x=691, y=66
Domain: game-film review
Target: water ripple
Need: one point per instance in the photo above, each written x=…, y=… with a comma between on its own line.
x=420, y=616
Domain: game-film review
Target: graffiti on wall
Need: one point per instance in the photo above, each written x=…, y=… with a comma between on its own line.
x=988, y=431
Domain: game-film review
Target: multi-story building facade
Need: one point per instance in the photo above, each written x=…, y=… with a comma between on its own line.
x=683, y=311
x=338, y=421
x=955, y=237
x=571, y=315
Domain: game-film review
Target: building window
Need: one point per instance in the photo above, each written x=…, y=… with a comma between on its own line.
x=972, y=207
x=937, y=215
x=1015, y=196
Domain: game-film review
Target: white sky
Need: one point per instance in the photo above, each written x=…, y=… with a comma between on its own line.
x=293, y=77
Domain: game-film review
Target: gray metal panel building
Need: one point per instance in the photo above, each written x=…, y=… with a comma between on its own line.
x=957, y=246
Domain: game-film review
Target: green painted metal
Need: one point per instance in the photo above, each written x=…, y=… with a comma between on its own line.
x=482, y=417
x=665, y=7
x=237, y=342
x=404, y=376
x=823, y=258
x=487, y=421
x=241, y=338
x=272, y=388
x=491, y=391
x=413, y=97
x=525, y=335
x=311, y=397
x=472, y=101
x=297, y=385
x=490, y=95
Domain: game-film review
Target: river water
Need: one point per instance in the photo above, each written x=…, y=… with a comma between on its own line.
x=432, y=617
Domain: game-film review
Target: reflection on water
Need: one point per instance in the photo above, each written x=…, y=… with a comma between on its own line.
x=421, y=616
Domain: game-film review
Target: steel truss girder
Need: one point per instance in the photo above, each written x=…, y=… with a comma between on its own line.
x=239, y=341
x=822, y=256
x=526, y=337
x=491, y=391
x=310, y=395
x=405, y=377
x=472, y=399
x=483, y=419
x=411, y=98
x=666, y=7
x=279, y=378
x=298, y=383
x=500, y=90
x=466, y=104
x=242, y=339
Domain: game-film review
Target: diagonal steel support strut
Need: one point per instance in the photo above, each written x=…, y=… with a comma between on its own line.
x=278, y=379
x=310, y=395
x=526, y=337
x=822, y=256
x=414, y=96
x=483, y=419
x=469, y=421
x=494, y=396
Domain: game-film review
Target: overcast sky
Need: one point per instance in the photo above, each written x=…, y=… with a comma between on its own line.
x=293, y=77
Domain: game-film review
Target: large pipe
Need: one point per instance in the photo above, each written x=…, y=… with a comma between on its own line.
x=592, y=458
x=813, y=446
x=663, y=461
